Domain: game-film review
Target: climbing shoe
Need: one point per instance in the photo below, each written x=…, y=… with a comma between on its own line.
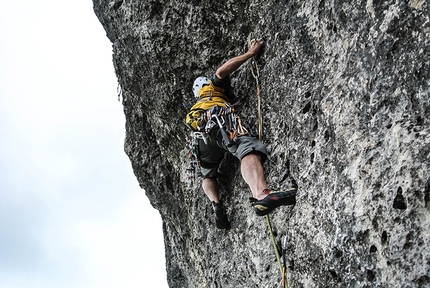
x=221, y=220
x=273, y=200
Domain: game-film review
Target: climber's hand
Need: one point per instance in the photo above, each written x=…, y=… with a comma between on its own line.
x=255, y=47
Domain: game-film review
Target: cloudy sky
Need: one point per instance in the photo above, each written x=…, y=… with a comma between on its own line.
x=71, y=211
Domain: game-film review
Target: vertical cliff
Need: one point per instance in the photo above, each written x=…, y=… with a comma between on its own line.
x=345, y=101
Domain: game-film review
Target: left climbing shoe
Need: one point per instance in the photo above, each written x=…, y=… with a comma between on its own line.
x=273, y=200
x=221, y=221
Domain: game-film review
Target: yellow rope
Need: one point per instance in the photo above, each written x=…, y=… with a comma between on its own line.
x=256, y=73
x=276, y=249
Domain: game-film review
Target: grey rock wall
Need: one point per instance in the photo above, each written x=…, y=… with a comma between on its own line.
x=345, y=100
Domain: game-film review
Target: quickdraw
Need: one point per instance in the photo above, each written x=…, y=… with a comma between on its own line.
x=193, y=169
x=240, y=129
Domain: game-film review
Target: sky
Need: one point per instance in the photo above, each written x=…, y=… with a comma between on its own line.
x=71, y=211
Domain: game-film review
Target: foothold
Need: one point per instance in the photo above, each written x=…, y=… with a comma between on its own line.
x=423, y=280
x=338, y=253
x=399, y=201
x=291, y=266
x=420, y=120
x=315, y=126
x=427, y=195
x=384, y=237
x=326, y=135
x=117, y=5
x=371, y=275
x=333, y=273
x=307, y=108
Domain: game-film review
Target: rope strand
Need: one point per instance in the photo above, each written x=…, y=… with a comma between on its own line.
x=256, y=73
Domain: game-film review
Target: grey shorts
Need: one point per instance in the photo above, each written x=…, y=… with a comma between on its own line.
x=212, y=153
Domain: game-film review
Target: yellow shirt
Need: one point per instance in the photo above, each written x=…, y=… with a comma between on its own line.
x=209, y=96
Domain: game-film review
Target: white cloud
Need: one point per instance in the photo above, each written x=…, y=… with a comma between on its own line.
x=129, y=257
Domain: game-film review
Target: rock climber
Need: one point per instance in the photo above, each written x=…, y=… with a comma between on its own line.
x=218, y=130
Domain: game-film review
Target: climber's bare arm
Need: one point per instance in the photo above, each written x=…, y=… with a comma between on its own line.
x=231, y=65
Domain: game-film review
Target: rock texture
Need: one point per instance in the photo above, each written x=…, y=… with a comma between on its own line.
x=345, y=99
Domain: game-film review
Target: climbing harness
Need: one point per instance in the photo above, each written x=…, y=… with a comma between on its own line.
x=256, y=74
x=228, y=123
x=225, y=119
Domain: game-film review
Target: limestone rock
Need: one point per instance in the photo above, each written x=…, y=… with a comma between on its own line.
x=345, y=100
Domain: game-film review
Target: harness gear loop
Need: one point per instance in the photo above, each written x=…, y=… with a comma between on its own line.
x=193, y=169
x=225, y=119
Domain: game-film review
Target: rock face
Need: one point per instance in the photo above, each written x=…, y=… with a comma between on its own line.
x=345, y=102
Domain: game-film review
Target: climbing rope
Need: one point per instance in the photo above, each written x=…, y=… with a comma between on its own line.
x=278, y=257
x=256, y=74
x=284, y=260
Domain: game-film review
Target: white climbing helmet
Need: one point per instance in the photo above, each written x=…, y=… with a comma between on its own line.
x=198, y=84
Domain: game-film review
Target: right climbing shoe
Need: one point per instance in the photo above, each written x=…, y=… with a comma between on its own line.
x=273, y=200
x=221, y=220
